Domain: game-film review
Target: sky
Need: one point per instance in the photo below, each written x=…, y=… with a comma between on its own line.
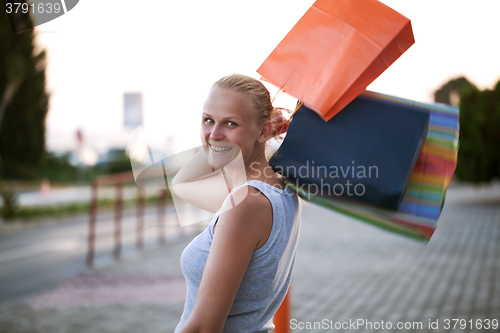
x=172, y=51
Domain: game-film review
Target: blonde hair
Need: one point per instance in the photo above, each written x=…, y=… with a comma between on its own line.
x=254, y=89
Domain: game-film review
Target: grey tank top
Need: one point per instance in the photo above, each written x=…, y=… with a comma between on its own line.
x=268, y=275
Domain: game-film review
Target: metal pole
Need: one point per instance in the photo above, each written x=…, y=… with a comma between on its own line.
x=92, y=224
x=139, y=243
x=162, y=199
x=118, y=217
x=162, y=206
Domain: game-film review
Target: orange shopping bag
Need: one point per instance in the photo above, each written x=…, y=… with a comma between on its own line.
x=335, y=51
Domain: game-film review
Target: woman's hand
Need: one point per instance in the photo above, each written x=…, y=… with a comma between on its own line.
x=280, y=122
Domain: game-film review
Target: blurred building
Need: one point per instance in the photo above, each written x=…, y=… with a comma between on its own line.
x=132, y=110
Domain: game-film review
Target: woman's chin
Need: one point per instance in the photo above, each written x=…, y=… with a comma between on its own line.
x=219, y=159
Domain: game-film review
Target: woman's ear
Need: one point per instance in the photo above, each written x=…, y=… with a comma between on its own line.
x=265, y=132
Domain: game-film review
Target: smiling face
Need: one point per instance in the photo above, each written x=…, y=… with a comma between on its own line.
x=229, y=124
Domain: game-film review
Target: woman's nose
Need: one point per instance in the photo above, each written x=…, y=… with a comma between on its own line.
x=216, y=133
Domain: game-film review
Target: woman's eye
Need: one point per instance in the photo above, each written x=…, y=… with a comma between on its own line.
x=208, y=121
x=232, y=123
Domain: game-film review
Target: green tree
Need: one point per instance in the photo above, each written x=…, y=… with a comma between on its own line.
x=479, y=151
x=23, y=100
x=455, y=86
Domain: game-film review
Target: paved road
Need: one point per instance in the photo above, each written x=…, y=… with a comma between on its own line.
x=348, y=271
x=37, y=259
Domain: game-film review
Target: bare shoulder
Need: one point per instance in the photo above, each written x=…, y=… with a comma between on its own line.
x=252, y=216
x=250, y=205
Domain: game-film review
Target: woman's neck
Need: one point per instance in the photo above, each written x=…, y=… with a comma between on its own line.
x=257, y=168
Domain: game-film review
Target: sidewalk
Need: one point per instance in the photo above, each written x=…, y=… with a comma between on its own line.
x=345, y=271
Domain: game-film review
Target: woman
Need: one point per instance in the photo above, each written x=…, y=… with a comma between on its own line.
x=239, y=268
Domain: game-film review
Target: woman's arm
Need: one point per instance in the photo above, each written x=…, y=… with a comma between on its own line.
x=239, y=232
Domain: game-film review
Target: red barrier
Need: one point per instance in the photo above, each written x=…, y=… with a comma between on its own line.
x=282, y=317
x=118, y=180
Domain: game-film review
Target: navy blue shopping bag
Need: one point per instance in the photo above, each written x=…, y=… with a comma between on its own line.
x=366, y=153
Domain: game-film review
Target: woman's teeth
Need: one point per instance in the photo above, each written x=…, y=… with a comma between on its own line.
x=220, y=149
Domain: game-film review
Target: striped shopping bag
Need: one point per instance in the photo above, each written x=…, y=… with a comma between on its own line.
x=421, y=205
